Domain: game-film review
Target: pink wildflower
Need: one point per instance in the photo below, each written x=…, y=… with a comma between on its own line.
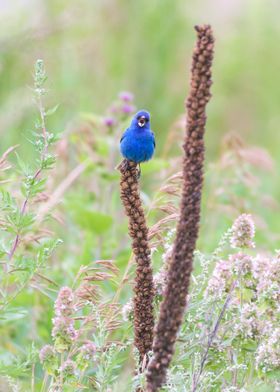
x=241, y=263
x=268, y=352
x=110, y=121
x=64, y=304
x=46, y=353
x=127, y=108
x=249, y=324
x=88, y=351
x=243, y=232
x=126, y=96
x=266, y=272
x=219, y=280
x=68, y=369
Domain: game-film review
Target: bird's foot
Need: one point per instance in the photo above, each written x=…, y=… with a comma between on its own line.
x=123, y=166
x=139, y=171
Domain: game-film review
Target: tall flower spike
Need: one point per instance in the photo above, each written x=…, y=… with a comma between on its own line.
x=143, y=288
x=180, y=268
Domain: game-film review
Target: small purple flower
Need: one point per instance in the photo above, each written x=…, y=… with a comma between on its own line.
x=126, y=96
x=110, y=122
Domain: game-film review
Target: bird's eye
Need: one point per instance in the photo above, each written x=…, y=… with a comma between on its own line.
x=141, y=121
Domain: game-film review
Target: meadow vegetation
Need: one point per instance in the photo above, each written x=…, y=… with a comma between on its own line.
x=67, y=266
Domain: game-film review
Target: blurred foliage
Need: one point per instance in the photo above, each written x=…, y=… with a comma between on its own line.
x=94, y=49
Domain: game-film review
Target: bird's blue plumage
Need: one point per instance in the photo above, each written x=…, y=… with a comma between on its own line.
x=138, y=141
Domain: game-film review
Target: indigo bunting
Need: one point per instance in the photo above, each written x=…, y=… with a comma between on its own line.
x=138, y=141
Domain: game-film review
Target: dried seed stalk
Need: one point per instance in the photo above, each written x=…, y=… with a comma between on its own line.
x=175, y=296
x=143, y=288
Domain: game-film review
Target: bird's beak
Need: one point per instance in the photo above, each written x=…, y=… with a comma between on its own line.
x=142, y=121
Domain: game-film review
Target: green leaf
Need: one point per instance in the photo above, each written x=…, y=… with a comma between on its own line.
x=273, y=374
x=12, y=314
x=52, y=110
x=27, y=220
x=7, y=201
x=247, y=294
x=48, y=162
x=25, y=169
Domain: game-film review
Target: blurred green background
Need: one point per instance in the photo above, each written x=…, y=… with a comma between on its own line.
x=94, y=49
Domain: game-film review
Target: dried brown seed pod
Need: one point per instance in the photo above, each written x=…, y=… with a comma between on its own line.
x=180, y=267
x=143, y=288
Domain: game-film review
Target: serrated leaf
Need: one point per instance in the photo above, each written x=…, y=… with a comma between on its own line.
x=27, y=220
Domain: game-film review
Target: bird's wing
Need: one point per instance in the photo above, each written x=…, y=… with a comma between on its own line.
x=154, y=140
x=124, y=135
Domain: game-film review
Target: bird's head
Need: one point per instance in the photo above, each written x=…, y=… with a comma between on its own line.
x=141, y=119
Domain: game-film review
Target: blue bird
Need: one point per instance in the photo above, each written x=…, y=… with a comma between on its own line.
x=138, y=141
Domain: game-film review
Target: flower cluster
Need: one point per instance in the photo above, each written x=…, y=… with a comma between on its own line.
x=64, y=304
x=266, y=272
x=268, y=352
x=68, y=370
x=255, y=300
x=120, y=109
x=88, y=351
x=46, y=353
x=64, y=332
x=243, y=232
x=80, y=353
x=48, y=358
x=236, y=325
x=218, y=283
x=250, y=322
x=86, y=355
